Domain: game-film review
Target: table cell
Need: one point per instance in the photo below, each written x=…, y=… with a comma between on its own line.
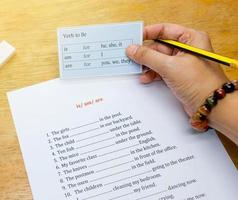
x=95, y=46
x=92, y=64
x=93, y=55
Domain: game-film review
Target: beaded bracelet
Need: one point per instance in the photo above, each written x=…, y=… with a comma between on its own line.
x=199, y=120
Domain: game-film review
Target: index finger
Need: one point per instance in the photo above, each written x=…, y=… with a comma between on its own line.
x=165, y=31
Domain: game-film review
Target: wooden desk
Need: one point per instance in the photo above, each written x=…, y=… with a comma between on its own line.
x=31, y=27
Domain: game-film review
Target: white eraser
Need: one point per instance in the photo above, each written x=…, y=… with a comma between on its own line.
x=6, y=52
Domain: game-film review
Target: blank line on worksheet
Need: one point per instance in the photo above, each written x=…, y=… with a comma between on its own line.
x=84, y=125
x=97, y=149
x=121, y=196
x=92, y=136
x=109, y=160
x=97, y=195
x=118, y=150
x=151, y=195
x=110, y=175
x=95, y=142
x=128, y=177
x=93, y=129
x=114, y=166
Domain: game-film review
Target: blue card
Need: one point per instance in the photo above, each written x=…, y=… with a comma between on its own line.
x=98, y=50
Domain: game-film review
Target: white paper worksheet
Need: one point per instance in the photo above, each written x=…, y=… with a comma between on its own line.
x=116, y=139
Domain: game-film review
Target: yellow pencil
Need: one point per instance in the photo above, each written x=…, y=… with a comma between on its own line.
x=200, y=52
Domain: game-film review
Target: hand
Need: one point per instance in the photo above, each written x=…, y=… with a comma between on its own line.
x=190, y=78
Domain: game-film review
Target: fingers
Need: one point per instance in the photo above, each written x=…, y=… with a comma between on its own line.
x=161, y=48
x=164, y=31
x=179, y=33
x=202, y=41
x=148, y=77
x=146, y=56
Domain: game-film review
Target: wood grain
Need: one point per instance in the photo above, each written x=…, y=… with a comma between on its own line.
x=31, y=27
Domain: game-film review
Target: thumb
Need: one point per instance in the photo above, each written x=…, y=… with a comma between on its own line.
x=146, y=56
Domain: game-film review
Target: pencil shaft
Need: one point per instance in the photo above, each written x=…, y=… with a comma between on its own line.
x=199, y=52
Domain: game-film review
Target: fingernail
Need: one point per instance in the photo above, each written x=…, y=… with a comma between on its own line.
x=131, y=50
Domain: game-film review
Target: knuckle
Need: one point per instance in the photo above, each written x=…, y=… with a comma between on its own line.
x=170, y=61
x=141, y=54
x=204, y=34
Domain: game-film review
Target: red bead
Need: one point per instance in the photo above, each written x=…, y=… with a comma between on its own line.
x=200, y=126
x=220, y=93
x=199, y=120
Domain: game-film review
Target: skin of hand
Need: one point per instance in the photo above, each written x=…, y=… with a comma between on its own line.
x=192, y=79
